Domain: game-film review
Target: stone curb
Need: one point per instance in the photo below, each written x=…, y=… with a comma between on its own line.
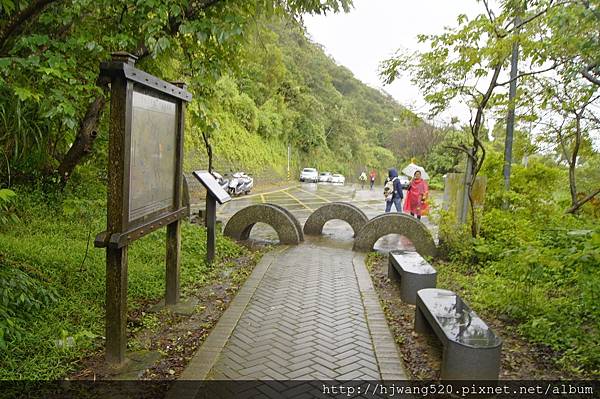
x=205, y=358
x=390, y=364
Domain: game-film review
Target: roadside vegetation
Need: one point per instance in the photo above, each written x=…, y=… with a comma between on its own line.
x=533, y=266
x=52, y=279
x=531, y=256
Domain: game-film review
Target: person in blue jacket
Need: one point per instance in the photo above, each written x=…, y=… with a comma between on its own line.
x=393, y=191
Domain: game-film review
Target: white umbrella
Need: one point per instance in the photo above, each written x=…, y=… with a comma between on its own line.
x=411, y=168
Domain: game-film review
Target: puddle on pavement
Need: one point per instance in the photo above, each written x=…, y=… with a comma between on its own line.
x=393, y=242
x=262, y=233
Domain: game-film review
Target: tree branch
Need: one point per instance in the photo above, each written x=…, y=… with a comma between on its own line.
x=579, y=204
x=587, y=73
x=554, y=66
x=536, y=15
x=18, y=21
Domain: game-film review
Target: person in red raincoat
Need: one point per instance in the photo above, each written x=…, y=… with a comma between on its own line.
x=372, y=177
x=416, y=196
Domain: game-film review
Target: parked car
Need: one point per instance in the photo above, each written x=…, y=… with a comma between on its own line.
x=309, y=174
x=404, y=181
x=337, y=178
x=325, y=177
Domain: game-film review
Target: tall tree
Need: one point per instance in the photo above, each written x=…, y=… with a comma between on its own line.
x=52, y=50
x=567, y=118
x=461, y=59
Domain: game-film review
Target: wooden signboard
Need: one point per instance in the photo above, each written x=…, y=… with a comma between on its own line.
x=144, y=182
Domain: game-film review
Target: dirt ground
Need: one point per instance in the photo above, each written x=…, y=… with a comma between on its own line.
x=172, y=338
x=422, y=354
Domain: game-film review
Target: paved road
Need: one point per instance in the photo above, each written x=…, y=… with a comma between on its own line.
x=304, y=198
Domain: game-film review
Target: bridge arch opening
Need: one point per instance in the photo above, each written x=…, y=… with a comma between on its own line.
x=344, y=211
x=396, y=223
x=282, y=221
x=263, y=233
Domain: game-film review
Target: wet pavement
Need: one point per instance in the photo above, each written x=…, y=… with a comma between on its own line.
x=308, y=311
x=304, y=198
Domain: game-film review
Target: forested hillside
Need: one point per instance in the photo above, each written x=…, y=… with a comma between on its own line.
x=288, y=91
x=271, y=87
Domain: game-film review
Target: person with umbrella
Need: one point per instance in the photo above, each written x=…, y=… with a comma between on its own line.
x=393, y=191
x=363, y=179
x=416, y=196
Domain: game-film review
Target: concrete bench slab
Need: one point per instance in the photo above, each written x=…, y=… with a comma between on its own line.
x=471, y=349
x=414, y=273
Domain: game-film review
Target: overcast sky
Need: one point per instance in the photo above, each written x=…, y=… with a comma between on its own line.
x=375, y=29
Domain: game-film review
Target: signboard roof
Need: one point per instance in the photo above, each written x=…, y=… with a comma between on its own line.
x=212, y=186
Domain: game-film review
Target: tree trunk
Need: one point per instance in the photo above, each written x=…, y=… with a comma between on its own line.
x=208, y=151
x=478, y=145
x=86, y=135
x=88, y=128
x=573, y=161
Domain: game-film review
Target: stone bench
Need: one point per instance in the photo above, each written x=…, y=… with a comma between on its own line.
x=414, y=273
x=471, y=349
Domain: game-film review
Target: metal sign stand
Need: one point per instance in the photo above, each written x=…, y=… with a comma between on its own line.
x=214, y=194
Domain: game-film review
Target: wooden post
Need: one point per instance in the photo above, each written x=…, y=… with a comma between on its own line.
x=211, y=226
x=116, y=305
x=214, y=194
x=174, y=229
x=173, y=263
x=117, y=215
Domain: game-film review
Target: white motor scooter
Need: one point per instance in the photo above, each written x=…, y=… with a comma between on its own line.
x=240, y=183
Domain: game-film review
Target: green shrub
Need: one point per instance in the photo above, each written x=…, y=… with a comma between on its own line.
x=21, y=298
x=7, y=199
x=436, y=183
x=532, y=263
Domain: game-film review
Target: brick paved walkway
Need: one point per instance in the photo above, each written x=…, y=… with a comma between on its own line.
x=307, y=312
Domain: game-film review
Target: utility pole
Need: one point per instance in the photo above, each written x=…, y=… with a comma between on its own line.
x=289, y=153
x=510, y=119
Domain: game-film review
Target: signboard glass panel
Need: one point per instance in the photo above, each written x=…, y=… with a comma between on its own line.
x=153, y=154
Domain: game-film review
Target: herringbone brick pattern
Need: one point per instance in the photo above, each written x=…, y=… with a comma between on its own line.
x=305, y=321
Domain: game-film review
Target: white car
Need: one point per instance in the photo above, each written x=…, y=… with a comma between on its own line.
x=309, y=174
x=325, y=177
x=337, y=178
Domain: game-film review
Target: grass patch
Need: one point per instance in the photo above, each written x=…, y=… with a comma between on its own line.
x=45, y=252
